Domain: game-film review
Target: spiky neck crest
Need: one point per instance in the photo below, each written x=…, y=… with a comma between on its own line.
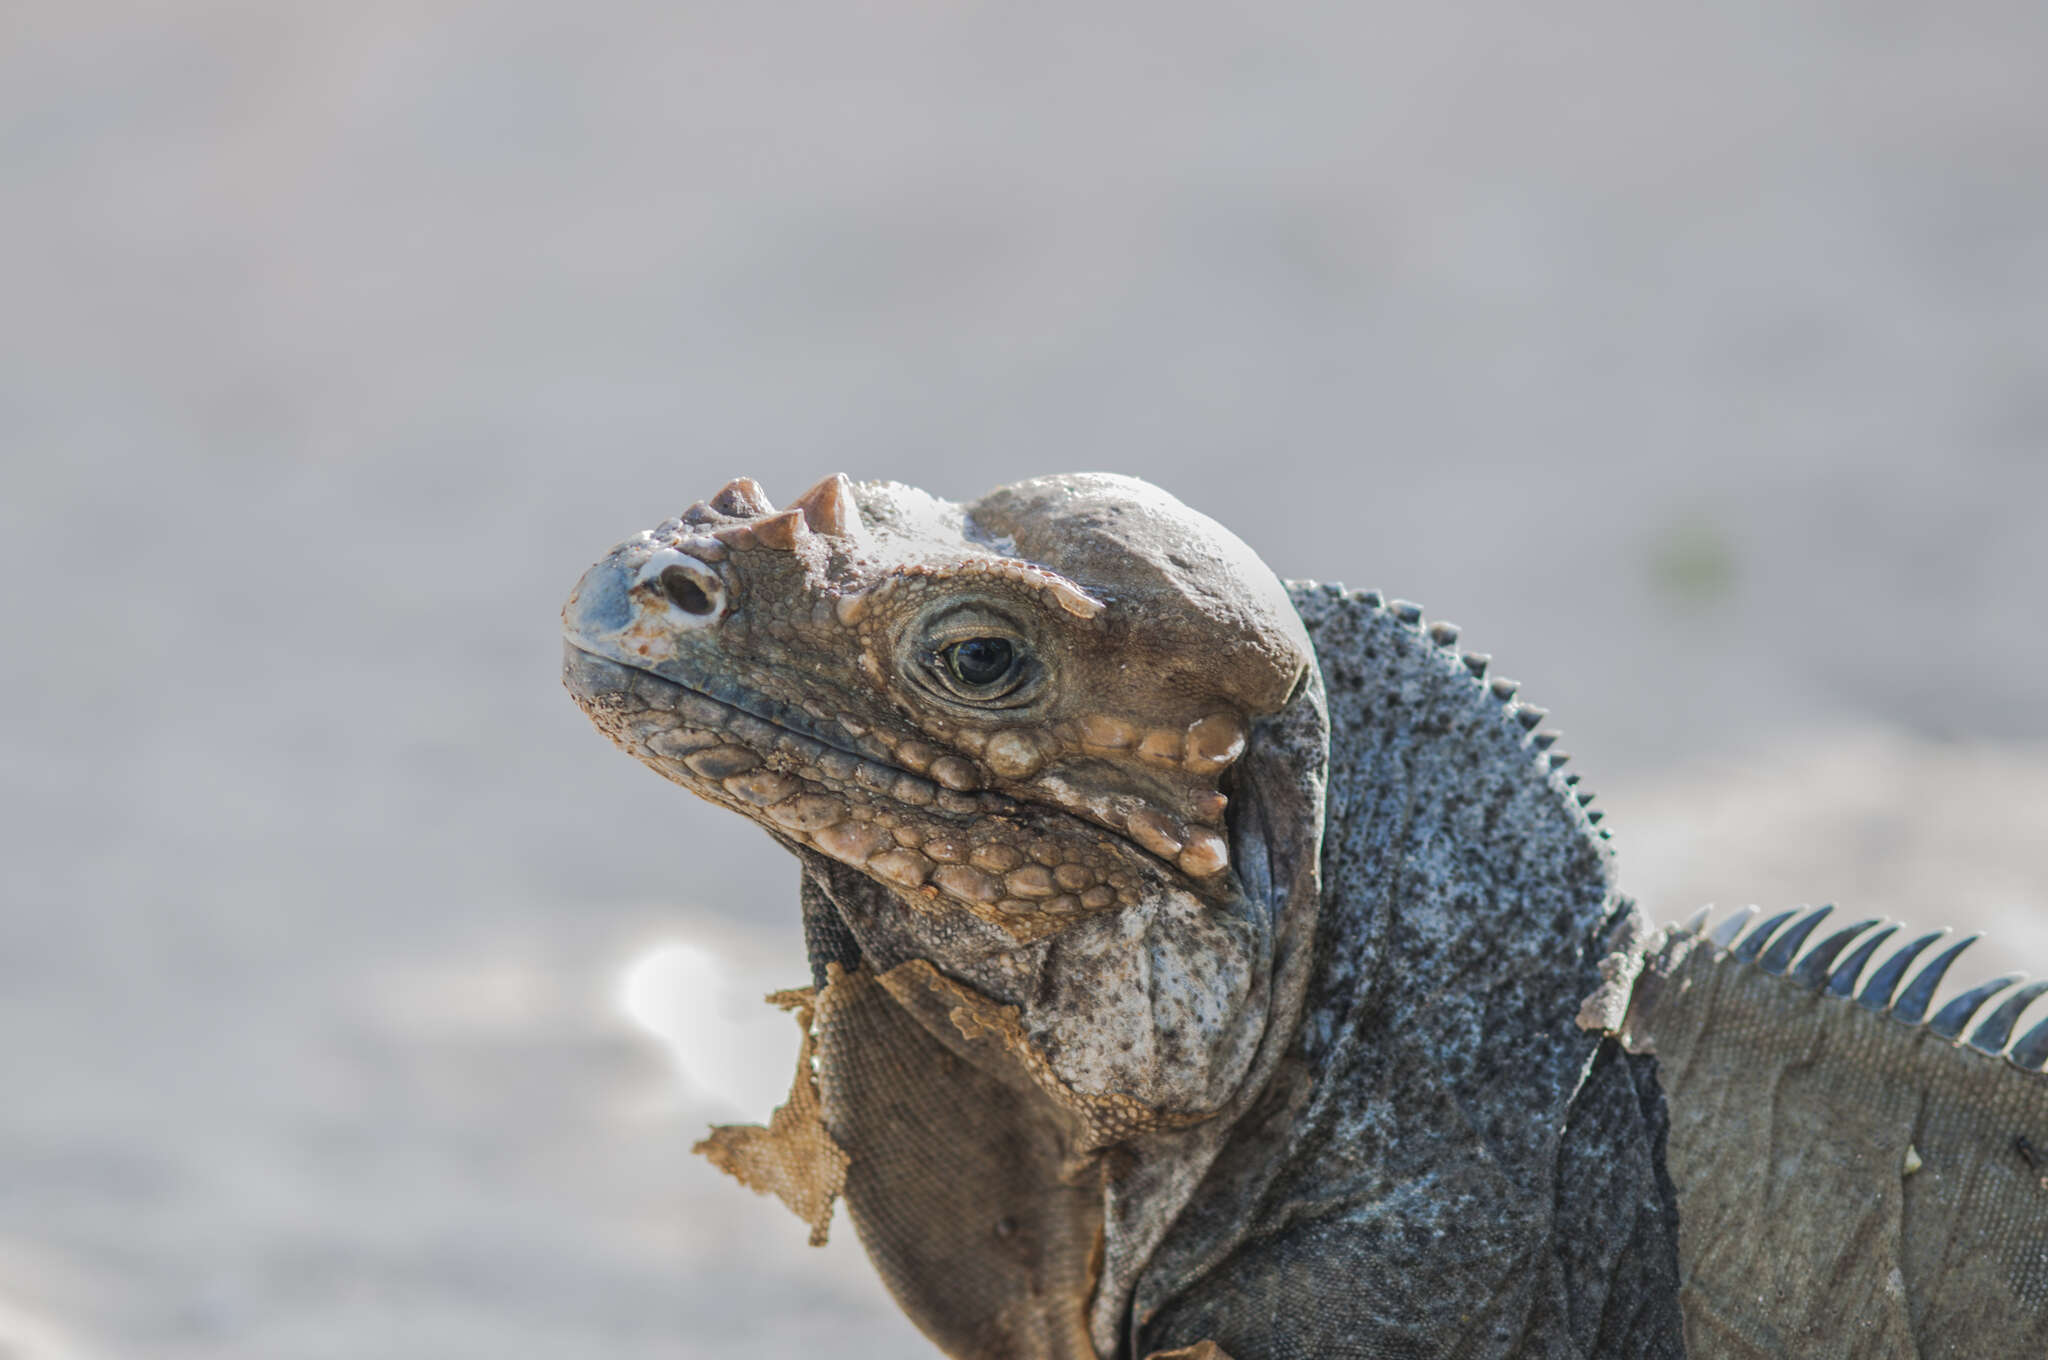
x=1469, y=886
x=1467, y=899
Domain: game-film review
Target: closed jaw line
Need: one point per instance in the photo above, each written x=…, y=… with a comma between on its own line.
x=942, y=847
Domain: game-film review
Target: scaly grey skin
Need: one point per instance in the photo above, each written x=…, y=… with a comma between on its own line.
x=1204, y=967
x=1858, y=1177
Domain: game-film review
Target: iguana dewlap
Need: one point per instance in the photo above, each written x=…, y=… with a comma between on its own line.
x=1210, y=968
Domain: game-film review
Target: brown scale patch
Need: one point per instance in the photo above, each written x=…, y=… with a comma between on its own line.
x=1073, y=877
x=968, y=884
x=1162, y=747
x=955, y=774
x=1033, y=880
x=1205, y=852
x=794, y=1158
x=1105, y=732
x=900, y=827
x=996, y=857
x=941, y=847
x=1153, y=831
x=676, y=743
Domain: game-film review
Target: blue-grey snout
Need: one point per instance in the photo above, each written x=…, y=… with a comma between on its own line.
x=641, y=599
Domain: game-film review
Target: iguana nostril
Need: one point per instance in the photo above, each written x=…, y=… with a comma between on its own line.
x=684, y=591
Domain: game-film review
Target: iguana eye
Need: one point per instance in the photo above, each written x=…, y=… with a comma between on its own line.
x=975, y=657
x=980, y=662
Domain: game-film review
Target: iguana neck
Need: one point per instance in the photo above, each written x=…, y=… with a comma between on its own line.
x=1275, y=838
x=1421, y=1127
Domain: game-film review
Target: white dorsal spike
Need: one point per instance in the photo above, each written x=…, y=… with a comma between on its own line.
x=1911, y=1007
x=1883, y=983
x=1785, y=948
x=1951, y=1020
x=1732, y=927
x=1996, y=1031
x=1842, y=981
x=1817, y=963
x=2031, y=1052
x=1753, y=943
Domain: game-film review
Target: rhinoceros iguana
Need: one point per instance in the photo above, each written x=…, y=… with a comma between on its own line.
x=1207, y=967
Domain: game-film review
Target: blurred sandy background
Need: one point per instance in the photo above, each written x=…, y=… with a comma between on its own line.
x=1696, y=362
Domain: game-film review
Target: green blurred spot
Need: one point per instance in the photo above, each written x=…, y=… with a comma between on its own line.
x=1692, y=564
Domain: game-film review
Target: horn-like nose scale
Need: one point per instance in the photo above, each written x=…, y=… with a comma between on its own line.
x=829, y=507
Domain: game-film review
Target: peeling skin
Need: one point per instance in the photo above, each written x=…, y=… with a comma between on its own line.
x=796, y=666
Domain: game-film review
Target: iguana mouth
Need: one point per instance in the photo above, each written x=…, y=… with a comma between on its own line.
x=1021, y=866
x=752, y=719
x=701, y=737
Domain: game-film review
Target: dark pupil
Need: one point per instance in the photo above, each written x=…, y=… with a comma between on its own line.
x=979, y=661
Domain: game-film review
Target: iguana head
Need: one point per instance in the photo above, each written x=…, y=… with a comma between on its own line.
x=1026, y=708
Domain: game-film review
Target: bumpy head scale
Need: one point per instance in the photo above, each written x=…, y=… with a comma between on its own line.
x=1025, y=708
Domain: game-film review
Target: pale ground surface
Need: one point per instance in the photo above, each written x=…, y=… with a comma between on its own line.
x=1693, y=361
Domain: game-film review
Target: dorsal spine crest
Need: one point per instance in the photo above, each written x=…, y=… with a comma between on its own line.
x=1774, y=946
x=1539, y=740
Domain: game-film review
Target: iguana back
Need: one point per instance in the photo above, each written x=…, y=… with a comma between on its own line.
x=1853, y=1179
